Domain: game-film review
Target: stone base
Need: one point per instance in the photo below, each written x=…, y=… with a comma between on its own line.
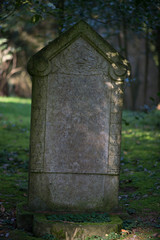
x=21, y=235
x=73, y=192
x=77, y=230
x=38, y=223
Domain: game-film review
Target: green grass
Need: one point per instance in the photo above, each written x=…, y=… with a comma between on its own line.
x=140, y=162
x=14, y=123
x=14, y=149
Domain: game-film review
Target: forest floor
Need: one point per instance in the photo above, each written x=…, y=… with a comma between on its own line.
x=139, y=193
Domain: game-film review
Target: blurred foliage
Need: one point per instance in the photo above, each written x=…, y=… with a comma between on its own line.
x=8, y=64
x=31, y=24
x=137, y=14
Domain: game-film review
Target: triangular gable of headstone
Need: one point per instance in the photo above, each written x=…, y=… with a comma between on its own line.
x=76, y=122
x=39, y=64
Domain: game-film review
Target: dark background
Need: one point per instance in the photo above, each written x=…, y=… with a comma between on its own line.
x=131, y=26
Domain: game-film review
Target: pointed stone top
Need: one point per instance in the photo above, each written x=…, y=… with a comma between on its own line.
x=39, y=64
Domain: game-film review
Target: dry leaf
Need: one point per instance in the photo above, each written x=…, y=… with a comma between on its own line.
x=157, y=235
x=2, y=209
x=123, y=231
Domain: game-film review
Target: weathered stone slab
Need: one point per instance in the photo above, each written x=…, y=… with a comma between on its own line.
x=79, y=230
x=77, y=190
x=76, y=123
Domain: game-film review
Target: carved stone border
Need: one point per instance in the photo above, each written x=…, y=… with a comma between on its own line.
x=38, y=122
x=115, y=128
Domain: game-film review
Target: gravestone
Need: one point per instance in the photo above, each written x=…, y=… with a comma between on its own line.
x=75, y=139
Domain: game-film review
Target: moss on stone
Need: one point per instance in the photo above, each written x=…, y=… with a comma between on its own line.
x=59, y=234
x=43, y=226
x=19, y=235
x=92, y=217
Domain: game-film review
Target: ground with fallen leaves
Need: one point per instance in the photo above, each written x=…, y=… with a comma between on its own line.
x=139, y=194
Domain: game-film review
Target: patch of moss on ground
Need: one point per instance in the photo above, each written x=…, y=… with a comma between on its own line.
x=140, y=162
x=21, y=235
x=14, y=150
x=15, y=124
x=13, y=189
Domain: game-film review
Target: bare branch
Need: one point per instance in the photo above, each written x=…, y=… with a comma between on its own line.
x=5, y=17
x=13, y=71
x=14, y=64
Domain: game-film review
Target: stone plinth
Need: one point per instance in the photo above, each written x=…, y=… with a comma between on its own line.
x=78, y=230
x=76, y=123
x=39, y=224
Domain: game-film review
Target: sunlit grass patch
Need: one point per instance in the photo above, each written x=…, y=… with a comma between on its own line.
x=15, y=100
x=140, y=161
x=14, y=148
x=14, y=124
x=13, y=188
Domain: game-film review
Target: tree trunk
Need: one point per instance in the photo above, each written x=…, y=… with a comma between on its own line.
x=61, y=19
x=125, y=38
x=120, y=41
x=135, y=86
x=124, y=48
x=158, y=52
x=146, y=67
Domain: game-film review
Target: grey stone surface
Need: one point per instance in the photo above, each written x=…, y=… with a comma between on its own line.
x=79, y=192
x=77, y=102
